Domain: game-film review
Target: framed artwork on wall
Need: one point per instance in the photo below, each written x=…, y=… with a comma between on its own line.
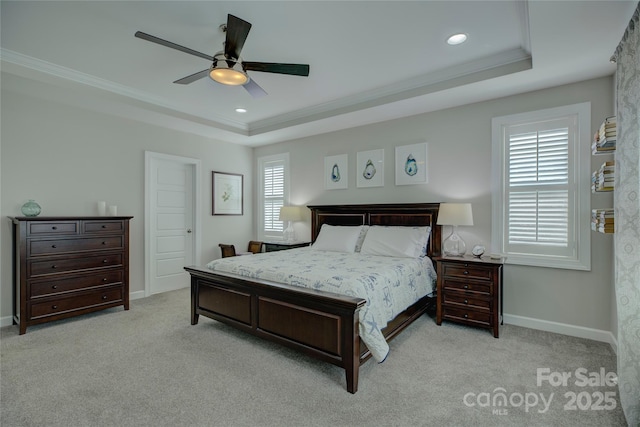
x=411, y=164
x=335, y=172
x=227, y=197
x=370, y=168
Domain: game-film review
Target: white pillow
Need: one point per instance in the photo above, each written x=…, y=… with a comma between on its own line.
x=337, y=238
x=409, y=242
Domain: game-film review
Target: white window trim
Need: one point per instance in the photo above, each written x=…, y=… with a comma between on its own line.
x=284, y=157
x=581, y=260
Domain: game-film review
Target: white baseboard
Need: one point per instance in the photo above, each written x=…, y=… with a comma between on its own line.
x=8, y=320
x=136, y=295
x=563, y=328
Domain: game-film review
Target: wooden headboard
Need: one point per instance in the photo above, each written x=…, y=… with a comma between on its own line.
x=417, y=214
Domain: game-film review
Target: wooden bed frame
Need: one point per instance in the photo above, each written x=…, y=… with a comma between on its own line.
x=321, y=324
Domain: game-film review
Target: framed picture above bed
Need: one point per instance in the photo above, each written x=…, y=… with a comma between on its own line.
x=336, y=175
x=370, y=168
x=227, y=197
x=411, y=164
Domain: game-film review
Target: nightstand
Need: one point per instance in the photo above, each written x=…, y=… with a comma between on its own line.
x=281, y=246
x=469, y=291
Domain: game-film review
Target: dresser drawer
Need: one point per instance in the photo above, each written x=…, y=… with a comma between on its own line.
x=467, y=316
x=53, y=227
x=466, y=285
x=59, y=246
x=86, y=281
x=65, y=265
x=76, y=302
x=462, y=300
x=103, y=226
x=466, y=270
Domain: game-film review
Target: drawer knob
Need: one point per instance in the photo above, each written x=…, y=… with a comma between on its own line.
x=54, y=287
x=104, y=297
x=54, y=228
x=104, y=261
x=466, y=272
x=54, y=307
x=54, y=266
x=466, y=286
x=104, y=279
x=53, y=246
x=466, y=316
x=104, y=226
x=466, y=265
x=466, y=301
x=104, y=243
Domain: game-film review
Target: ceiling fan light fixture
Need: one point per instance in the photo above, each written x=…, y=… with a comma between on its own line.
x=223, y=73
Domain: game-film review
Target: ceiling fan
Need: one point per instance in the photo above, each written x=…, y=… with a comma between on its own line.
x=227, y=67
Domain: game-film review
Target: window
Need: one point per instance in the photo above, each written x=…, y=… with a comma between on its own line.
x=541, y=187
x=273, y=194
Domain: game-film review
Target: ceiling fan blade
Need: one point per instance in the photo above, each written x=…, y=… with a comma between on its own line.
x=237, y=32
x=254, y=89
x=278, y=68
x=193, y=77
x=172, y=45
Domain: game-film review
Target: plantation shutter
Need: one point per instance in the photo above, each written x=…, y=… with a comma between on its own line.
x=273, y=191
x=541, y=199
x=538, y=189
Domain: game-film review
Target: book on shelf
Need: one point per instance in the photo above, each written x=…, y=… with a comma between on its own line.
x=604, y=139
x=602, y=220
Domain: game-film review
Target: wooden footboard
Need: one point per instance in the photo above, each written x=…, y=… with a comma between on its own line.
x=320, y=324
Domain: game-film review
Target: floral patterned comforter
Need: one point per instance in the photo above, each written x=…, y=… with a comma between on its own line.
x=388, y=284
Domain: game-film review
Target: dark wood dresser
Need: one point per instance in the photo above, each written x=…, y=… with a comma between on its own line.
x=469, y=291
x=68, y=266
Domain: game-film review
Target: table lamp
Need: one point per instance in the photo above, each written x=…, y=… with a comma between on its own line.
x=290, y=214
x=454, y=214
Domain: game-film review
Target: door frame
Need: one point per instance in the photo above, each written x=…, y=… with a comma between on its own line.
x=196, y=209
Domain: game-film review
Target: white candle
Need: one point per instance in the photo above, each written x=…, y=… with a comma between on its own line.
x=102, y=208
x=113, y=210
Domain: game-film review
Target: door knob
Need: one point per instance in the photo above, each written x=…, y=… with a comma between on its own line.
x=188, y=230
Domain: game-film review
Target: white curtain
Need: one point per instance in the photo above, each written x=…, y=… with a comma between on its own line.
x=627, y=223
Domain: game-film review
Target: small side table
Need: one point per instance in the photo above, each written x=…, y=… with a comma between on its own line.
x=281, y=246
x=469, y=291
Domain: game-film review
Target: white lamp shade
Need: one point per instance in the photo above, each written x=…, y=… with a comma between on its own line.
x=455, y=214
x=290, y=213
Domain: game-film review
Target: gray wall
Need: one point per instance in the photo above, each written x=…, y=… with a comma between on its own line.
x=459, y=161
x=67, y=158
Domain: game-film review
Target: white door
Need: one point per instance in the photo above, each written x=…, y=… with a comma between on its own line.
x=171, y=221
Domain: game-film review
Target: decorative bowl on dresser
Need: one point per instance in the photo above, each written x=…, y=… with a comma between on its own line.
x=469, y=291
x=68, y=266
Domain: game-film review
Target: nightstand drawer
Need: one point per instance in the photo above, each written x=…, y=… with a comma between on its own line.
x=466, y=316
x=466, y=285
x=462, y=300
x=467, y=270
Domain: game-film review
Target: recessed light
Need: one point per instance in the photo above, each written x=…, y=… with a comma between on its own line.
x=241, y=110
x=457, y=39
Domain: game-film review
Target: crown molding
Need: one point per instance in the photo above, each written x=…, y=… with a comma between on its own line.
x=501, y=64
x=68, y=74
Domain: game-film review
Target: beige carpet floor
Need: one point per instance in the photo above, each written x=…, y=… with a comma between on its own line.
x=149, y=367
